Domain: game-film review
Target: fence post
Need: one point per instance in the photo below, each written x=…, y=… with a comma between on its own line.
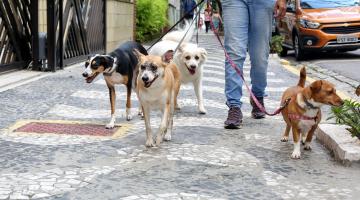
x=35, y=33
x=51, y=35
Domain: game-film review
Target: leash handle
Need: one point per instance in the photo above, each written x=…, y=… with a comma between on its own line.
x=181, y=19
x=239, y=72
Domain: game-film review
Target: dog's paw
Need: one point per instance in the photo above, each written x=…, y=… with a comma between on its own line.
x=296, y=155
x=307, y=147
x=150, y=143
x=167, y=137
x=159, y=139
x=202, y=111
x=284, y=139
x=129, y=117
x=109, y=125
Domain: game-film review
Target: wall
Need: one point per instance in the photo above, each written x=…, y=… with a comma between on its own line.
x=42, y=16
x=173, y=11
x=120, y=23
x=119, y=26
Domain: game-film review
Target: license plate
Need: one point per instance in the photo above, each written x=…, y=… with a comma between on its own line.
x=347, y=39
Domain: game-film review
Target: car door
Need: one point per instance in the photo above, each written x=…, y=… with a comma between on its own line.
x=286, y=24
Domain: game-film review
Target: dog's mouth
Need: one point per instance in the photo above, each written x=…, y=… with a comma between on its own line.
x=147, y=84
x=191, y=70
x=91, y=78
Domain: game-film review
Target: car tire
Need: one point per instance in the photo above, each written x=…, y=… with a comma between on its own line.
x=299, y=51
x=284, y=52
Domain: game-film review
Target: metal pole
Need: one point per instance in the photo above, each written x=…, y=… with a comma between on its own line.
x=35, y=33
x=51, y=35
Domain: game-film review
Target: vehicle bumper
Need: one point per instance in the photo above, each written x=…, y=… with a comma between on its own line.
x=323, y=41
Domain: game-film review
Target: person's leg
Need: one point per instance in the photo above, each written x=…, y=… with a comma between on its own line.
x=207, y=24
x=236, y=22
x=261, y=13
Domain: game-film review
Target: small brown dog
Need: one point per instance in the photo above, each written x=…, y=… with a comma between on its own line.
x=158, y=85
x=303, y=113
x=357, y=91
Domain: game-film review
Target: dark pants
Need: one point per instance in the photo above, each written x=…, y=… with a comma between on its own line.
x=207, y=25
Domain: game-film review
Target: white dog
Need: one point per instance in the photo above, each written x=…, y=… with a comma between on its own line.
x=189, y=58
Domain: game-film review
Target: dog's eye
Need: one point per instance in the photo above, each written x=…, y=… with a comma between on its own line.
x=142, y=67
x=153, y=68
x=187, y=57
x=86, y=64
x=197, y=57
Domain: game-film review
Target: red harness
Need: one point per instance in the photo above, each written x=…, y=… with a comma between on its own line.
x=300, y=117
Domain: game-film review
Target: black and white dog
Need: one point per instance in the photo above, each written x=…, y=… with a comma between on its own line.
x=118, y=67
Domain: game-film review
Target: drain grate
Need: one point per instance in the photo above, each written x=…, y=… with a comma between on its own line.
x=68, y=129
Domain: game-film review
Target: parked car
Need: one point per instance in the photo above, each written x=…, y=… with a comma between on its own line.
x=320, y=25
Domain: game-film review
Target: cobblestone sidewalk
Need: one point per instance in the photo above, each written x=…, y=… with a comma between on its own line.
x=203, y=160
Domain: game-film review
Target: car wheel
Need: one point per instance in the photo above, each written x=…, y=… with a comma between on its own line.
x=284, y=52
x=299, y=51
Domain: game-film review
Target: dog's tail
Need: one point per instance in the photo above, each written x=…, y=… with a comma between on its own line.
x=302, y=79
x=176, y=36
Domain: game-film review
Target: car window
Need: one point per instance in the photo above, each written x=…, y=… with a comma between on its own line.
x=290, y=7
x=314, y=4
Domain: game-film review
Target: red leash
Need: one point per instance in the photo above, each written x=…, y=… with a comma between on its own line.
x=239, y=72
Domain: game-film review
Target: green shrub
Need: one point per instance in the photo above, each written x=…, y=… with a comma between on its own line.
x=151, y=18
x=348, y=114
x=276, y=44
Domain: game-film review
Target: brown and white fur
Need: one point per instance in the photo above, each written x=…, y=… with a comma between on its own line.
x=306, y=102
x=158, y=85
x=189, y=58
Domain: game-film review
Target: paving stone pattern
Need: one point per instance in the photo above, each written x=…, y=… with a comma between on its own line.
x=203, y=160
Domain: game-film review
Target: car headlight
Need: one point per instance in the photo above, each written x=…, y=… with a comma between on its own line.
x=309, y=24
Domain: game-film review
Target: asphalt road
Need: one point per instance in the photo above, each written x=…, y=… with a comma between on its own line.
x=346, y=64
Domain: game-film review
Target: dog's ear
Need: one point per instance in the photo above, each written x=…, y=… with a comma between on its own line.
x=316, y=86
x=138, y=54
x=168, y=56
x=203, y=53
x=107, y=61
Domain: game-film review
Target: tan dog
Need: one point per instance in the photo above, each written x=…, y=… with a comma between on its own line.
x=158, y=85
x=303, y=113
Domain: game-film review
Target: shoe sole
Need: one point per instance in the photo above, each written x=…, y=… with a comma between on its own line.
x=258, y=117
x=232, y=126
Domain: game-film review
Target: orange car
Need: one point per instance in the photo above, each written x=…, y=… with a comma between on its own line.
x=320, y=25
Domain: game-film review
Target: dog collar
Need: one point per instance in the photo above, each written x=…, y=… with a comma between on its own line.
x=309, y=105
x=301, y=117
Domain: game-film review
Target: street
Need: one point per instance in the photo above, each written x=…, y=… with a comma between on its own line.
x=341, y=68
x=203, y=160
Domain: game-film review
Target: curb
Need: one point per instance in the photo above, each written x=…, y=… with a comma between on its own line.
x=344, y=147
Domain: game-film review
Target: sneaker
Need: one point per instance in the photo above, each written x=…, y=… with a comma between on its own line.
x=256, y=113
x=234, y=118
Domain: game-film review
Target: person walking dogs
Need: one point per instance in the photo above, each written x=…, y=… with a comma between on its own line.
x=187, y=5
x=207, y=16
x=247, y=26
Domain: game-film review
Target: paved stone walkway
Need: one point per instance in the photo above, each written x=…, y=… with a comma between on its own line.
x=203, y=161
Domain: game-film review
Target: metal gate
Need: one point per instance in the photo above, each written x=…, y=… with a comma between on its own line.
x=15, y=34
x=75, y=31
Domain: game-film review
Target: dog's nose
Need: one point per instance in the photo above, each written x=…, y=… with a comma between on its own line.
x=193, y=66
x=341, y=102
x=85, y=74
x=145, y=78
